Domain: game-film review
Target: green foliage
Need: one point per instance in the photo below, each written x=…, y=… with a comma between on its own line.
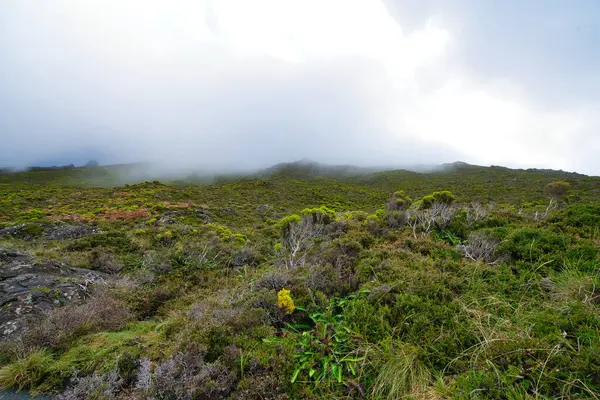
x=420, y=319
x=582, y=218
x=322, y=215
x=399, y=201
x=327, y=356
x=226, y=234
x=534, y=245
x=285, y=222
x=370, y=321
x=444, y=197
x=27, y=371
x=401, y=374
x=32, y=215
x=557, y=190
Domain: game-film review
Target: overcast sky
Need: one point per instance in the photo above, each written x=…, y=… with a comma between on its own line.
x=238, y=83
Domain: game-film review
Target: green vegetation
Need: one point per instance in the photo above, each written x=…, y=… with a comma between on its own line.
x=462, y=283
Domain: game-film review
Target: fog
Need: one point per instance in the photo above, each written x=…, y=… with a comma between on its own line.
x=234, y=85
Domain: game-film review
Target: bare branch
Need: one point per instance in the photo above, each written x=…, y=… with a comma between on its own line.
x=298, y=240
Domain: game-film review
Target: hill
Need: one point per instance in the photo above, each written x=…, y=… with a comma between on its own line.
x=303, y=280
x=306, y=168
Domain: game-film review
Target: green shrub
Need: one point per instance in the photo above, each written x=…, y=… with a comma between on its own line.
x=444, y=197
x=32, y=229
x=557, y=190
x=33, y=215
x=583, y=218
x=534, y=245
x=26, y=372
x=370, y=321
x=321, y=215
x=399, y=201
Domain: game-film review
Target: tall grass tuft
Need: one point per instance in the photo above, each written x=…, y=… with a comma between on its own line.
x=401, y=373
x=26, y=371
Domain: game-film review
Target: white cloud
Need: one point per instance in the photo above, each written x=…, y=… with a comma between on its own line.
x=497, y=126
x=185, y=77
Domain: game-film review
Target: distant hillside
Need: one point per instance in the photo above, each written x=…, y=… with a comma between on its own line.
x=307, y=168
x=488, y=184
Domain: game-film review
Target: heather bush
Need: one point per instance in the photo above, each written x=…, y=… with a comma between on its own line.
x=102, y=312
x=273, y=281
x=97, y=386
x=185, y=376
x=480, y=247
x=102, y=260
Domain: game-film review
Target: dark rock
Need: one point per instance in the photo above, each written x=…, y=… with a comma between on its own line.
x=64, y=231
x=37, y=294
x=202, y=214
x=166, y=220
x=30, y=287
x=5, y=254
x=547, y=284
x=262, y=208
x=14, y=289
x=23, y=231
x=13, y=230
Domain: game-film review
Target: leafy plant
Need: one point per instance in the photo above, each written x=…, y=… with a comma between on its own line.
x=328, y=355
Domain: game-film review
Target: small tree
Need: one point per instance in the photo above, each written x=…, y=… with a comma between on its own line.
x=443, y=197
x=557, y=190
x=92, y=164
x=396, y=209
x=476, y=213
x=437, y=216
x=298, y=234
x=399, y=201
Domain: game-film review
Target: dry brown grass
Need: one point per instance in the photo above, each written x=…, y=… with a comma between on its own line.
x=177, y=205
x=124, y=215
x=71, y=218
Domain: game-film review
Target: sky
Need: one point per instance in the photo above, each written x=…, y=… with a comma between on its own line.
x=246, y=84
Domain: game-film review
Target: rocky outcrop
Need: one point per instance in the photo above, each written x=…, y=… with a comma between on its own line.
x=262, y=208
x=30, y=286
x=59, y=231
x=12, y=230
x=67, y=231
x=202, y=214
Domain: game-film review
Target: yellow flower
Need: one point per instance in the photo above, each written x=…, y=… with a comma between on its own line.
x=285, y=302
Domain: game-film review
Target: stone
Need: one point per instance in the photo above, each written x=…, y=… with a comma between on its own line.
x=262, y=208
x=63, y=231
x=28, y=287
x=13, y=230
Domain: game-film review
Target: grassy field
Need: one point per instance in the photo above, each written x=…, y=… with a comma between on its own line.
x=464, y=283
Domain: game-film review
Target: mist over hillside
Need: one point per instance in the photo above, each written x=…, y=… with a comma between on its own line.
x=299, y=199
x=301, y=280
